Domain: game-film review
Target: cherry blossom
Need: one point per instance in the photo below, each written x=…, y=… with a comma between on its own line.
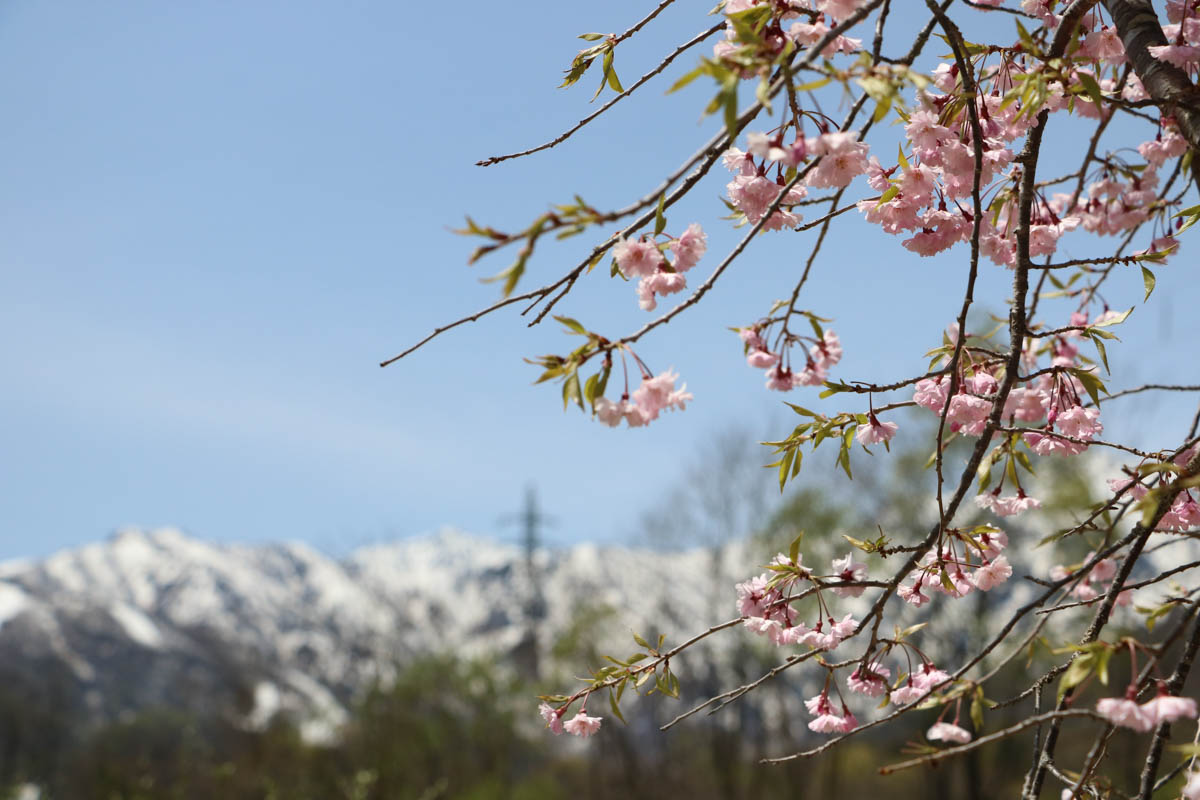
x=1166, y=707
x=582, y=725
x=1181, y=55
x=637, y=258
x=827, y=719
x=848, y=570
x=1007, y=506
x=689, y=248
x=1125, y=713
x=991, y=574
x=552, y=716
x=947, y=732
x=875, y=431
x=872, y=683
x=1191, y=789
x=762, y=359
x=911, y=593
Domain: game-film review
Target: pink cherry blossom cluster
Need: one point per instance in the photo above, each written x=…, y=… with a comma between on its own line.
x=1184, y=513
x=807, y=34
x=1007, y=506
x=967, y=560
x=874, y=682
x=823, y=354
x=804, y=34
x=928, y=196
x=827, y=719
x=1053, y=398
x=580, y=725
x=1183, y=37
x=918, y=196
x=1125, y=712
x=656, y=394
x=642, y=258
x=751, y=192
x=1097, y=581
x=920, y=682
x=843, y=156
x=765, y=603
x=1110, y=206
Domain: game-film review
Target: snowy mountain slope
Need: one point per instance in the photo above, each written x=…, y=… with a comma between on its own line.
x=161, y=618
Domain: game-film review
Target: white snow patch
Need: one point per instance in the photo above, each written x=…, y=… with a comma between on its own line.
x=267, y=701
x=12, y=602
x=139, y=627
x=328, y=716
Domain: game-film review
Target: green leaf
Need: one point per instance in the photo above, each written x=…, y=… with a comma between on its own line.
x=1148, y=280
x=1076, y=674
x=642, y=642
x=800, y=409
x=1154, y=614
x=844, y=455
x=602, y=384
x=1092, y=384
x=730, y=102
x=948, y=584
x=573, y=325
x=891, y=192
x=614, y=82
x=762, y=93
x=834, y=387
x=785, y=466
x=605, y=69
x=977, y=714
x=591, y=37
x=794, y=548
x=1026, y=40
x=1116, y=319
x=1096, y=340
x=572, y=392
x=1190, y=221
x=612, y=704
x=688, y=78
x=589, y=390
x=512, y=275
x=811, y=85
x=903, y=161
x=1102, y=659
x=579, y=65
x=660, y=220
x=1091, y=87
x=859, y=543
x=1149, y=506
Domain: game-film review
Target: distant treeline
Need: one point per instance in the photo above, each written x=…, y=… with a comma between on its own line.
x=443, y=729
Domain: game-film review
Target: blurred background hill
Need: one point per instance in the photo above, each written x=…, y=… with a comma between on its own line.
x=156, y=664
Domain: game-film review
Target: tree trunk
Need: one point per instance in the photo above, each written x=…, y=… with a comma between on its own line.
x=1138, y=27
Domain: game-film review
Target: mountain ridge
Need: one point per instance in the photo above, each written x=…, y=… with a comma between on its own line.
x=158, y=617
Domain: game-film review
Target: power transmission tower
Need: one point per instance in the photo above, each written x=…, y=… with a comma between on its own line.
x=533, y=604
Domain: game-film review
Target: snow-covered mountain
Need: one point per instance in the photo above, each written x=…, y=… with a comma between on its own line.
x=161, y=618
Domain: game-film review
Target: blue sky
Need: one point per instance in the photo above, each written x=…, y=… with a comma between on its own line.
x=220, y=217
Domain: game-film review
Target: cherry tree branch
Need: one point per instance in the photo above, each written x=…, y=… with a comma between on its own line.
x=562, y=137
